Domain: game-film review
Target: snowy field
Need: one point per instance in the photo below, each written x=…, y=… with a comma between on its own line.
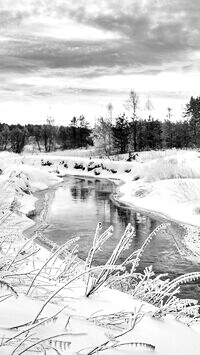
x=50, y=305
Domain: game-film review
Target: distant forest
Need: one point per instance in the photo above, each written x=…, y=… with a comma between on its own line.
x=109, y=135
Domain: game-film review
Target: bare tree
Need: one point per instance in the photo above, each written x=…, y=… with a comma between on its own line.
x=132, y=104
x=169, y=113
x=48, y=134
x=149, y=107
x=102, y=132
x=110, y=111
x=170, y=126
x=110, y=118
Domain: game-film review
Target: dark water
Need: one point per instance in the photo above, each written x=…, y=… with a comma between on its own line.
x=79, y=204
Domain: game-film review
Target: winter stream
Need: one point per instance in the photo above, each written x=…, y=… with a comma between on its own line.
x=78, y=204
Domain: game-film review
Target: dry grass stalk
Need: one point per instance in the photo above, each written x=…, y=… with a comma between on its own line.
x=162, y=226
x=113, y=341
x=53, y=255
x=94, y=283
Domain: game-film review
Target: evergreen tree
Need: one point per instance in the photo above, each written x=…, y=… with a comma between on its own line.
x=192, y=112
x=181, y=135
x=168, y=129
x=153, y=134
x=121, y=134
x=83, y=132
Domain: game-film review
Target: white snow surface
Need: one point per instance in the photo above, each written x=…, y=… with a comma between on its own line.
x=168, y=336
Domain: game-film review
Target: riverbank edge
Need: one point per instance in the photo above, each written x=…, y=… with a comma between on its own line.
x=45, y=205
x=117, y=199
x=127, y=174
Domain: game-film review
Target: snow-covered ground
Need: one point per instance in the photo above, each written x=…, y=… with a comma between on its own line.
x=80, y=329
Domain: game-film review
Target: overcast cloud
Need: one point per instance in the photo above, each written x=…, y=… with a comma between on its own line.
x=69, y=52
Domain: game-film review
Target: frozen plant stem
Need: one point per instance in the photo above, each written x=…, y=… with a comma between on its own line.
x=43, y=266
x=136, y=318
x=63, y=286
x=34, y=326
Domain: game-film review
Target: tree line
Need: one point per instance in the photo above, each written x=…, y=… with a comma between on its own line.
x=137, y=134
x=109, y=135
x=47, y=137
x=140, y=134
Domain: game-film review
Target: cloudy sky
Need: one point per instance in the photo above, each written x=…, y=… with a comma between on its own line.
x=64, y=58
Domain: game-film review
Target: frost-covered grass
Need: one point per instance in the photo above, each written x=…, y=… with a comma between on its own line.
x=50, y=318
x=166, y=153
x=84, y=153
x=79, y=152
x=143, y=155
x=172, y=168
x=186, y=190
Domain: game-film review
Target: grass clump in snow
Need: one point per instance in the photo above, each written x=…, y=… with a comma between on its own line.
x=93, y=283
x=171, y=168
x=157, y=290
x=116, y=319
x=186, y=190
x=197, y=210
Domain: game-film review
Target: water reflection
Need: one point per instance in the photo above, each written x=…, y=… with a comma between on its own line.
x=80, y=204
x=80, y=192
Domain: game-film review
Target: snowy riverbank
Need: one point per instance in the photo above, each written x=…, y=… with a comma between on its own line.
x=168, y=186
x=87, y=324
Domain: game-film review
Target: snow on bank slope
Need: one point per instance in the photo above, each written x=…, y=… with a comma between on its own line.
x=83, y=166
x=38, y=178
x=20, y=181
x=177, y=199
x=163, y=337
